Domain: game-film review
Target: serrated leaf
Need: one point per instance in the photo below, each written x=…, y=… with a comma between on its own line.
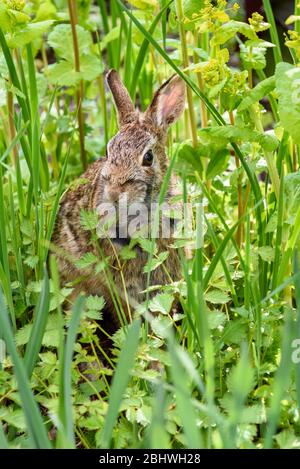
x=156, y=262
x=217, y=297
x=253, y=57
x=63, y=73
x=216, y=319
x=86, y=260
x=259, y=92
x=32, y=261
x=288, y=89
x=61, y=40
x=29, y=33
x=230, y=29
x=267, y=253
x=94, y=302
x=89, y=220
x=240, y=380
x=234, y=133
x=217, y=163
x=161, y=325
x=161, y=303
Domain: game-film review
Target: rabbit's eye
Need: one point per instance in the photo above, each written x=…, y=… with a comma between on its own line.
x=148, y=158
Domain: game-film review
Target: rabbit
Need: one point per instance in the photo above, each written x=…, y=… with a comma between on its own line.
x=135, y=165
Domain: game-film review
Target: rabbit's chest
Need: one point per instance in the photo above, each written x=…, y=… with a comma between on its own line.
x=134, y=276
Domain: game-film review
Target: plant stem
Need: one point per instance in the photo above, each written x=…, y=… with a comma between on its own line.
x=273, y=31
x=12, y=130
x=79, y=91
x=240, y=229
x=185, y=61
x=297, y=13
x=271, y=162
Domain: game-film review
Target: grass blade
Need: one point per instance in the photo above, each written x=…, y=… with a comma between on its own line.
x=36, y=428
x=120, y=381
x=66, y=433
x=39, y=325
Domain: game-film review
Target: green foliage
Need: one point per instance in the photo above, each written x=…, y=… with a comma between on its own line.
x=210, y=364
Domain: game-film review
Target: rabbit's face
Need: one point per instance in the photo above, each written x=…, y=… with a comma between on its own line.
x=136, y=161
x=135, y=165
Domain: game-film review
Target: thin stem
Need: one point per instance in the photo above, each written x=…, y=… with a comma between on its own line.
x=185, y=61
x=240, y=229
x=273, y=31
x=79, y=91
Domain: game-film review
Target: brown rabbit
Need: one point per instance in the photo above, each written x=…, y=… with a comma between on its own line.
x=135, y=165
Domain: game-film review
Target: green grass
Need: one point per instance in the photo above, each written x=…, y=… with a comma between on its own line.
x=224, y=375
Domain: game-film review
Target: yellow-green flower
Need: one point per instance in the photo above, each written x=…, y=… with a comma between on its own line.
x=294, y=42
x=212, y=73
x=257, y=22
x=17, y=5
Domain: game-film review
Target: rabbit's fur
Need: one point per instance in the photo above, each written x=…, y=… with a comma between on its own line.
x=105, y=180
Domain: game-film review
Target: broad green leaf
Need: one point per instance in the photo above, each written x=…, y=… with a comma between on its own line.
x=217, y=163
x=253, y=57
x=288, y=88
x=95, y=302
x=29, y=33
x=161, y=303
x=259, y=92
x=233, y=133
x=63, y=74
x=230, y=29
x=90, y=67
x=60, y=39
x=266, y=253
x=217, y=297
x=156, y=262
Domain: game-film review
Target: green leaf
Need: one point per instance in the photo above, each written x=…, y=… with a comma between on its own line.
x=217, y=163
x=216, y=319
x=153, y=263
x=5, y=20
x=253, y=57
x=90, y=67
x=240, y=380
x=95, y=302
x=288, y=89
x=61, y=40
x=259, y=92
x=230, y=29
x=292, y=196
x=234, y=332
x=89, y=219
x=120, y=381
x=266, y=253
x=35, y=423
x=112, y=35
x=86, y=260
x=63, y=74
x=161, y=303
x=233, y=133
x=29, y=33
x=217, y=297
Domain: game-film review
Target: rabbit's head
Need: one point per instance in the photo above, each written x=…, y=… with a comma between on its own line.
x=136, y=160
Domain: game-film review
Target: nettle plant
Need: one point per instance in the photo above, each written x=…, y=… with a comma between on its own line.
x=220, y=374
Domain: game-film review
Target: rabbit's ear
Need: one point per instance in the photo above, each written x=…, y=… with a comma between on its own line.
x=125, y=108
x=168, y=102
